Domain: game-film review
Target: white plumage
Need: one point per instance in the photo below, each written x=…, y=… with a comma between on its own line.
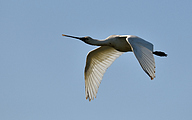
x=99, y=59
x=97, y=63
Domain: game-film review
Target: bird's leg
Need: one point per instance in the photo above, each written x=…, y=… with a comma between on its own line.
x=159, y=53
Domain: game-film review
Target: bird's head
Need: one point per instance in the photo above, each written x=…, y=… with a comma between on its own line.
x=85, y=39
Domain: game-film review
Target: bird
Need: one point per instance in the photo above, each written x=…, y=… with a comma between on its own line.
x=99, y=59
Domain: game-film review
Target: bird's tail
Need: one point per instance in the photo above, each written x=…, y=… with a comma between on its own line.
x=159, y=53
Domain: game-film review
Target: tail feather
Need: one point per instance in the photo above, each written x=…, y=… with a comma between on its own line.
x=159, y=53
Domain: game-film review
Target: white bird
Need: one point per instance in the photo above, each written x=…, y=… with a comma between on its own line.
x=99, y=59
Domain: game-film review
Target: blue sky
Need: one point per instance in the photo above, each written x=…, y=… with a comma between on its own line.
x=42, y=73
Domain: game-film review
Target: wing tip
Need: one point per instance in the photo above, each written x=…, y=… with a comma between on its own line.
x=152, y=77
x=87, y=97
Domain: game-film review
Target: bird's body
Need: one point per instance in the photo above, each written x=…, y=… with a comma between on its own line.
x=119, y=43
x=111, y=48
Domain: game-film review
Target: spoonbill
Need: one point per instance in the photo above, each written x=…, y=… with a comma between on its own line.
x=99, y=59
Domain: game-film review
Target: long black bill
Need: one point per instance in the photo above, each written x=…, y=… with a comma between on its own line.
x=80, y=38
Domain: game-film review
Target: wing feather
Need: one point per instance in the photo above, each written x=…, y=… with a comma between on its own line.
x=97, y=63
x=143, y=51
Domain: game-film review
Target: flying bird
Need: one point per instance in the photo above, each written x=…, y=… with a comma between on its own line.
x=99, y=59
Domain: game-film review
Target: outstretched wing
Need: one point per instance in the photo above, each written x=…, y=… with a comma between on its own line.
x=143, y=51
x=97, y=63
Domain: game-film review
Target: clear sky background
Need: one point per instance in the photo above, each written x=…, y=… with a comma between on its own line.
x=42, y=73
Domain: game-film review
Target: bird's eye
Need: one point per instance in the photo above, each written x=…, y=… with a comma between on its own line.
x=84, y=39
